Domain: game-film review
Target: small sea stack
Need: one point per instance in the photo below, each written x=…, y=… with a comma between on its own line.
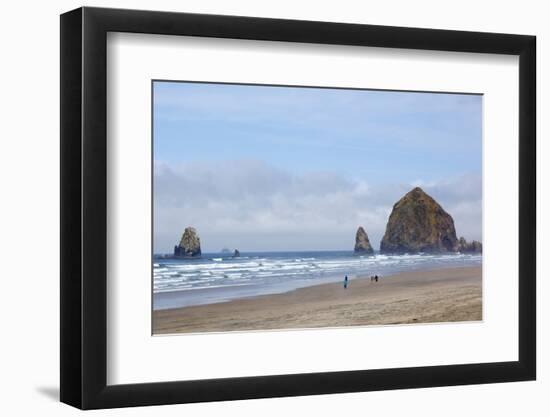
x=418, y=223
x=190, y=244
x=236, y=254
x=469, y=247
x=362, y=243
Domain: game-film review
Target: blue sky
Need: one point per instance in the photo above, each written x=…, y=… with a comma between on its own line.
x=286, y=157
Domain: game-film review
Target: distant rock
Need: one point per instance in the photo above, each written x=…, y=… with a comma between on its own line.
x=462, y=245
x=476, y=246
x=418, y=223
x=469, y=247
x=362, y=243
x=236, y=254
x=225, y=250
x=190, y=244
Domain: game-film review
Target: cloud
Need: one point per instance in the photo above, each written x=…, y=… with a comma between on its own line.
x=251, y=205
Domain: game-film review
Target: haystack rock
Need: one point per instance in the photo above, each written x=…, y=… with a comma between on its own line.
x=469, y=247
x=190, y=244
x=418, y=223
x=362, y=243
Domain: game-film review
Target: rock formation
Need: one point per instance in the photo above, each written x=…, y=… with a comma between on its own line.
x=236, y=254
x=469, y=247
x=418, y=223
x=362, y=243
x=190, y=244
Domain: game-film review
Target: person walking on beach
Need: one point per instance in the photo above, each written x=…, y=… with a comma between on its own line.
x=346, y=282
x=376, y=278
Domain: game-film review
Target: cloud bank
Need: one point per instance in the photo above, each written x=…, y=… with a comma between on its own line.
x=255, y=206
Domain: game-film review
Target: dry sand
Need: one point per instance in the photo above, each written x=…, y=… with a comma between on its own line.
x=441, y=295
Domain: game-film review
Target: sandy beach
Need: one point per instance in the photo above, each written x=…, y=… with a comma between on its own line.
x=442, y=295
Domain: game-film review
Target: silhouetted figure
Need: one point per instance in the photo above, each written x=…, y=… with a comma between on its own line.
x=376, y=278
x=346, y=282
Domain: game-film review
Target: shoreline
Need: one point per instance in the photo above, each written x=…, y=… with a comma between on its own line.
x=164, y=300
x=423, y=296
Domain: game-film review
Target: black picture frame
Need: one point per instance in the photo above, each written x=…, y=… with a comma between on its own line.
x=84, y=207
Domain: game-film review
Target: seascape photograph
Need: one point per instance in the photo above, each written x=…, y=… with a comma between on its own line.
x=287, y=207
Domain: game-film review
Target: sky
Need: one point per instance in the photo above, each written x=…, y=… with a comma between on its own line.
x=271, y=168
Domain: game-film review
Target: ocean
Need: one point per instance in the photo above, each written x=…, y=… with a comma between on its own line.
x=217, y=277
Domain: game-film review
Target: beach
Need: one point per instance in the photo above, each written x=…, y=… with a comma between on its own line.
x=430, y=296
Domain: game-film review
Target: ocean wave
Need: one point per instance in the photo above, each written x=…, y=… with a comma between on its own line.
x=269, y=270
x=190, y=288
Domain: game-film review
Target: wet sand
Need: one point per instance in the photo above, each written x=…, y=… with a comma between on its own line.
x=442, y=295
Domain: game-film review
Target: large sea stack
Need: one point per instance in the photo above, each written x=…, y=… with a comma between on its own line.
x=418, y=223
x=190, y=244
x=362, y=243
